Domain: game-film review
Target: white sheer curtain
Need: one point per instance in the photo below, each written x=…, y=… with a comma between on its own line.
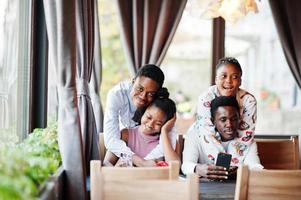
x=8, y=61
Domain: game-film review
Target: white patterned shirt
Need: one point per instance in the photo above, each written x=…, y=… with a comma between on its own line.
x=205, y=130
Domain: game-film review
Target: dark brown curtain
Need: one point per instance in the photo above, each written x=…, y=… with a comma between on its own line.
x=287, y=17
x=148, y=27
x=71, y=33
x=84, y=62
x=61, y=30
x=95, y=81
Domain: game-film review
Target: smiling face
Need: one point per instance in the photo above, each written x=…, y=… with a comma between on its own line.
x=152, y=120
x=228, y=79
x=143, y=91
x=226, y=121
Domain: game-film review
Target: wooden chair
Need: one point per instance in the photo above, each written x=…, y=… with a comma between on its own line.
x=102, y=147
x=279, y=153
x=180, y=142
x=131, y=173
x=106, y=187
x=268, y=184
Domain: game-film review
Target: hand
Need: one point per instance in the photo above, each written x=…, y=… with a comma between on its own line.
x=149, y=163
x=211, y=172
x=140, y=162
x=166, y=128
x=119, y=163
x=232, y=172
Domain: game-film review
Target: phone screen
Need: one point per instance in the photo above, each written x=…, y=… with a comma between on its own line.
x=224, y=160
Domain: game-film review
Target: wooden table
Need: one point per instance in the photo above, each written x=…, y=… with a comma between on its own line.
x=217, y=190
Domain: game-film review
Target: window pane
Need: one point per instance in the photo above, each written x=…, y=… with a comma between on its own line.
x=187, y=64
x=266, y=74
x=14, y=69
x=114, y=64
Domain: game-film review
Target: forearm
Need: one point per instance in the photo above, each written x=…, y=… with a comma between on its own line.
x=169, y=152
x=110, y=159
x=117, y=146
x=188, y=167
x=112, y=136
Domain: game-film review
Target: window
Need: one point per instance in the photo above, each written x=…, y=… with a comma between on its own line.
x=266, y=74
x=114, y=65
x=14, y=69
x=187, y=64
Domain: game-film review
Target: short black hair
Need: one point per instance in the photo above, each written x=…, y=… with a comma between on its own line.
x=153, y=72
x=229, y=60
x=223, y=101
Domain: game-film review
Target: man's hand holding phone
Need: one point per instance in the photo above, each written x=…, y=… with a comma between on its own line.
x=211, y=172
x=218, y=171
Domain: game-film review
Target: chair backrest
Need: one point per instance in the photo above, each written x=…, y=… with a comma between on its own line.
x=279, y=153
x=267, y=184
x=131, y=173
x=180, y=142
x=102, y=147
x=105, y=188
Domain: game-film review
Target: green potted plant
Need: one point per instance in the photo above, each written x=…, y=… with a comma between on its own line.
x=26, y=167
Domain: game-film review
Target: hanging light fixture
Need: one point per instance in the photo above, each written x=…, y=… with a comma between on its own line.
x=230, y=10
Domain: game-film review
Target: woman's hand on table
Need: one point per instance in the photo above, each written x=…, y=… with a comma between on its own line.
x=140, y=162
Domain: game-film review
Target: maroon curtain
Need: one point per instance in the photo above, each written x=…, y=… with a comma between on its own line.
x=287, y=17
x=148, y=27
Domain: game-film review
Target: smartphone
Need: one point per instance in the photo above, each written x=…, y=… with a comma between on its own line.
x=224, y=160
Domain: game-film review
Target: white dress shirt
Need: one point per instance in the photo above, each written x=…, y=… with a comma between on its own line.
x=118, y=115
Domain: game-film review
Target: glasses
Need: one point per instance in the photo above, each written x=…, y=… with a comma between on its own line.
x=139, y=89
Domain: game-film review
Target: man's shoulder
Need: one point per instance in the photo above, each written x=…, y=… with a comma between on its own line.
x=121, y=89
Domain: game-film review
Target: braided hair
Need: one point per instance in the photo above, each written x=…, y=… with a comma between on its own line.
x=229, y=60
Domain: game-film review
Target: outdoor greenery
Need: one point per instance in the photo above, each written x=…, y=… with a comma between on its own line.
x=25, y=167
x=114, y=67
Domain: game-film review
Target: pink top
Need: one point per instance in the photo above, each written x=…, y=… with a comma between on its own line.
x=140, y=143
